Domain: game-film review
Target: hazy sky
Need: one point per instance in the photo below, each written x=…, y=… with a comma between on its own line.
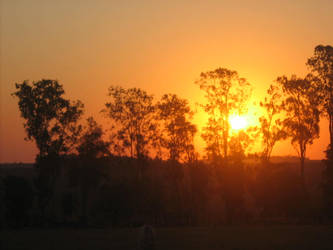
x=161, y=46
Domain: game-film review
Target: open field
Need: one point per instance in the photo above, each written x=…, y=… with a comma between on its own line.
x=234, y=237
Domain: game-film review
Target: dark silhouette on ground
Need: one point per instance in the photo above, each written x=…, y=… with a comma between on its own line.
x=146, y=169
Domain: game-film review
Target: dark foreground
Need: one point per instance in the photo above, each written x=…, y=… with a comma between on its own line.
x=234, y=237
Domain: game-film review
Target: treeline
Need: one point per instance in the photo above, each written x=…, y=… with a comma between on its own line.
x=121, y=191
x=149, y=169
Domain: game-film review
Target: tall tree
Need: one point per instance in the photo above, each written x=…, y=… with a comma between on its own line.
x=132, y=113
x=321, y=64
x=178, y=131
x=50, y=119
x=300, y=105
x=52, y=122
x=226, y=93
x=271, y=126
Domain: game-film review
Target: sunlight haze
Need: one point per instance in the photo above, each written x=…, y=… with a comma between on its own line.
x=159, y=46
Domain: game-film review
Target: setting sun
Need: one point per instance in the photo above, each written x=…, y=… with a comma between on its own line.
x=238, y=122
x=149, y=124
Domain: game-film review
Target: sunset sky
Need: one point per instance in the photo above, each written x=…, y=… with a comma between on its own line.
x=160, y=46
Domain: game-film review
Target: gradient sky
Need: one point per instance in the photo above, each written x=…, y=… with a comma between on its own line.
x=160, y=46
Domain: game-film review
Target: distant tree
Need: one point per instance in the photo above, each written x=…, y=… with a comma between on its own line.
x=300, y=105
x=271, y=127
x=90, y=171
x=240, y=142
x=91, y=143
x=132, y=113
x=226, y=94
x=18, y=199
x=321, y=64
x=50, y=119
x=178, y=131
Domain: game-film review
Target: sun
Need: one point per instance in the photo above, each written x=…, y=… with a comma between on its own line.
x=238, y=122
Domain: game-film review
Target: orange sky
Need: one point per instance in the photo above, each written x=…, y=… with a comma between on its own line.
x=160, y=46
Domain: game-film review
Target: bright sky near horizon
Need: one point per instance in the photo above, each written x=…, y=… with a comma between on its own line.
x=160, y=46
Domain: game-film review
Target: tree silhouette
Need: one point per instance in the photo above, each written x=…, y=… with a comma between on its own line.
x=132, y=113
x=91, y=144
x=90, y=170
x=302, y=114
x=241, y=142
x=177, y=132
x=226, y=93
x=50, y=119
x=271, y=127
x=321, y=64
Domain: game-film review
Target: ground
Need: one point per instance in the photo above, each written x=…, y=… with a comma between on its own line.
x=233, y=237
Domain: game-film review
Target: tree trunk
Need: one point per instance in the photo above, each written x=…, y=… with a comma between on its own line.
x=302, y=159
x=330, y=116
x=302, y=169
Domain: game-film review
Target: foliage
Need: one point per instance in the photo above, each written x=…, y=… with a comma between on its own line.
x=321, y=64
x=50, y=119
x=241, y=142
x=226, y=94
x=182, y=190
x=91, y=143
x=132, y=111
x=52, y=122
x=271, y=126
x=300, y=104
x=178, y=132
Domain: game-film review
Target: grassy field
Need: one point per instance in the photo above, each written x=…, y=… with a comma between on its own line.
x=234, y=237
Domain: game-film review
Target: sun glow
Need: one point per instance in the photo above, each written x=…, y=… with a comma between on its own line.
x=238, y=122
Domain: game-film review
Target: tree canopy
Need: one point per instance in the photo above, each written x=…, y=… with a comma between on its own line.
x=321, y=64
x=50, y=118
x=177, y=130
x=132, y=113
x=300, y=105
x=271, y=126
x=226, y=93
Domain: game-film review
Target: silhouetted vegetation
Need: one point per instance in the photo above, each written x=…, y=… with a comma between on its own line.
x=146, y=170
x=271, y=126
x=300, y=103
x=321, y=65
x=226, y=93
